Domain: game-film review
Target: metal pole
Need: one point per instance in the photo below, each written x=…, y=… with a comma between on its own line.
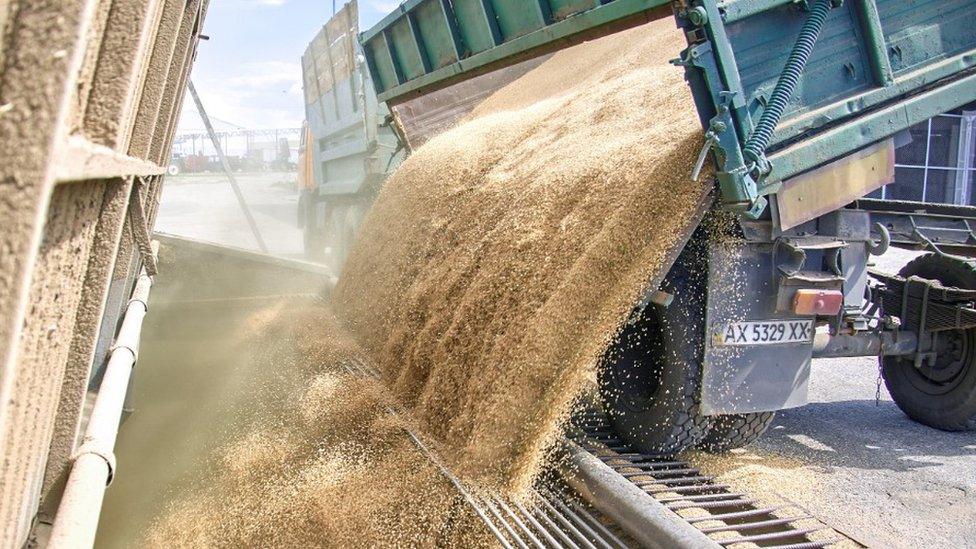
x=223, y=161
x=94, y=464
x=640, y=515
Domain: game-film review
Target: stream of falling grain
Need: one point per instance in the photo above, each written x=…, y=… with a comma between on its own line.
x=495, y=268
x=503, y=256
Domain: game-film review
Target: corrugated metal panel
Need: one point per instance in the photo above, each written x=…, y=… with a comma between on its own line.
x=349, y=144
x=916, y=31
x=838, y=67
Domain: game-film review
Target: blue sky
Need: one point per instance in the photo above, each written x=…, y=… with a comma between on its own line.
x=249, y=72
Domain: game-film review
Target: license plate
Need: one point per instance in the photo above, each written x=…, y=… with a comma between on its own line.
x=765, y=332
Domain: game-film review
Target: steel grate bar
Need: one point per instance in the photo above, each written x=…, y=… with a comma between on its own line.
x=582, y=523
x=595, y=524
x=539, y=528
x=508, y=528
x=655, y=473
x=712, y=504
x=738, y=515
x=678, y=485
x=674, y=481
x=566, y=523
x=808, y=545
x=752, y=525
x=556, y=529
x=518, y=522
x=771, y=536
x=683, y=489
x=706, y=497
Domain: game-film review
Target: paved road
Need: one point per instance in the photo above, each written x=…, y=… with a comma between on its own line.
x=203, y=206
x=860, y=466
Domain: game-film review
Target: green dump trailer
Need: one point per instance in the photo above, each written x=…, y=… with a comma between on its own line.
x=800, y=102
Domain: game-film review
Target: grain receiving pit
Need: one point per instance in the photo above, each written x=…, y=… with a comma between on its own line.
x=89, y=96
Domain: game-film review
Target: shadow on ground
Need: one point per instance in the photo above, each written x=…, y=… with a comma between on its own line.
x=820, y=434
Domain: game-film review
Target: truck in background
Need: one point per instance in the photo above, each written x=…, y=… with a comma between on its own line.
x=349, y=145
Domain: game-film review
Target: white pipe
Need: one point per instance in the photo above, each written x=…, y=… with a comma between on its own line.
x=94, y=462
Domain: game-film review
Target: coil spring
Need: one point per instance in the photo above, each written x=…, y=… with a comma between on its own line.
x=788, y=80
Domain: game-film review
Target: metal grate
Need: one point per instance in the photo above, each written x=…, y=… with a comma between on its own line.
x=729, y=517
x=545, y=518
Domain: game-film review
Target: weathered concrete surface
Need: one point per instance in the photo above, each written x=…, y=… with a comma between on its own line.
x=862, y=467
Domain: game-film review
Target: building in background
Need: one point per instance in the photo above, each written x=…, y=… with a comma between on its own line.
x=247, y=150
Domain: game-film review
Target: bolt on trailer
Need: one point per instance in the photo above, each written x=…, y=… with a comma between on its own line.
x=800, y=102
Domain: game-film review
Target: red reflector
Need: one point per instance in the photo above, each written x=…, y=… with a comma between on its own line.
x=817, y=302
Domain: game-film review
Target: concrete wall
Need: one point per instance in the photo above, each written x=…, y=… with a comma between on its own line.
x=89, y=98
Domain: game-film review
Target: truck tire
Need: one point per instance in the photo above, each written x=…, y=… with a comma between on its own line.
x=650, y=380
x=731, y=431
x=337, y=241
x=313, y=237
x=943, y=394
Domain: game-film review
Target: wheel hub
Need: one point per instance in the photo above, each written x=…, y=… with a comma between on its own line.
x=952, y=356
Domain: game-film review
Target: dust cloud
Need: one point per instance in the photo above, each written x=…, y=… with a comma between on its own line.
x=330, y=467
x=494, y=270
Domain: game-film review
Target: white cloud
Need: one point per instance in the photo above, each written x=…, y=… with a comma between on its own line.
x=385, y=6
x=263, y=94
x=267, y=74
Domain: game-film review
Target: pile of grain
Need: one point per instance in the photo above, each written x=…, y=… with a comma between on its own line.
x=501, y=258
x=330, y=468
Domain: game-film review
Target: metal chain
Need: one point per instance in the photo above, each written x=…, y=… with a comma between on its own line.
x=880, y=331
x=877, y=388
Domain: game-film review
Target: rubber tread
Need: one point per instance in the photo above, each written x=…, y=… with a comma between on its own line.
x=956, y=410
x=731, y=431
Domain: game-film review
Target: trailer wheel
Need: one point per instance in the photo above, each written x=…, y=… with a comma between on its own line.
x=731, y=431
x=650, y=379
x=345, y=226
x=313, y=237
x=940, y=394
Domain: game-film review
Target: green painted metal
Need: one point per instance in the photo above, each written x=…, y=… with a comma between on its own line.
x=875, y=43
x=562, y=9
x=799, y=126
x=873, y=126
x=488, y=34
x=877, y=67
x=737, y=10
